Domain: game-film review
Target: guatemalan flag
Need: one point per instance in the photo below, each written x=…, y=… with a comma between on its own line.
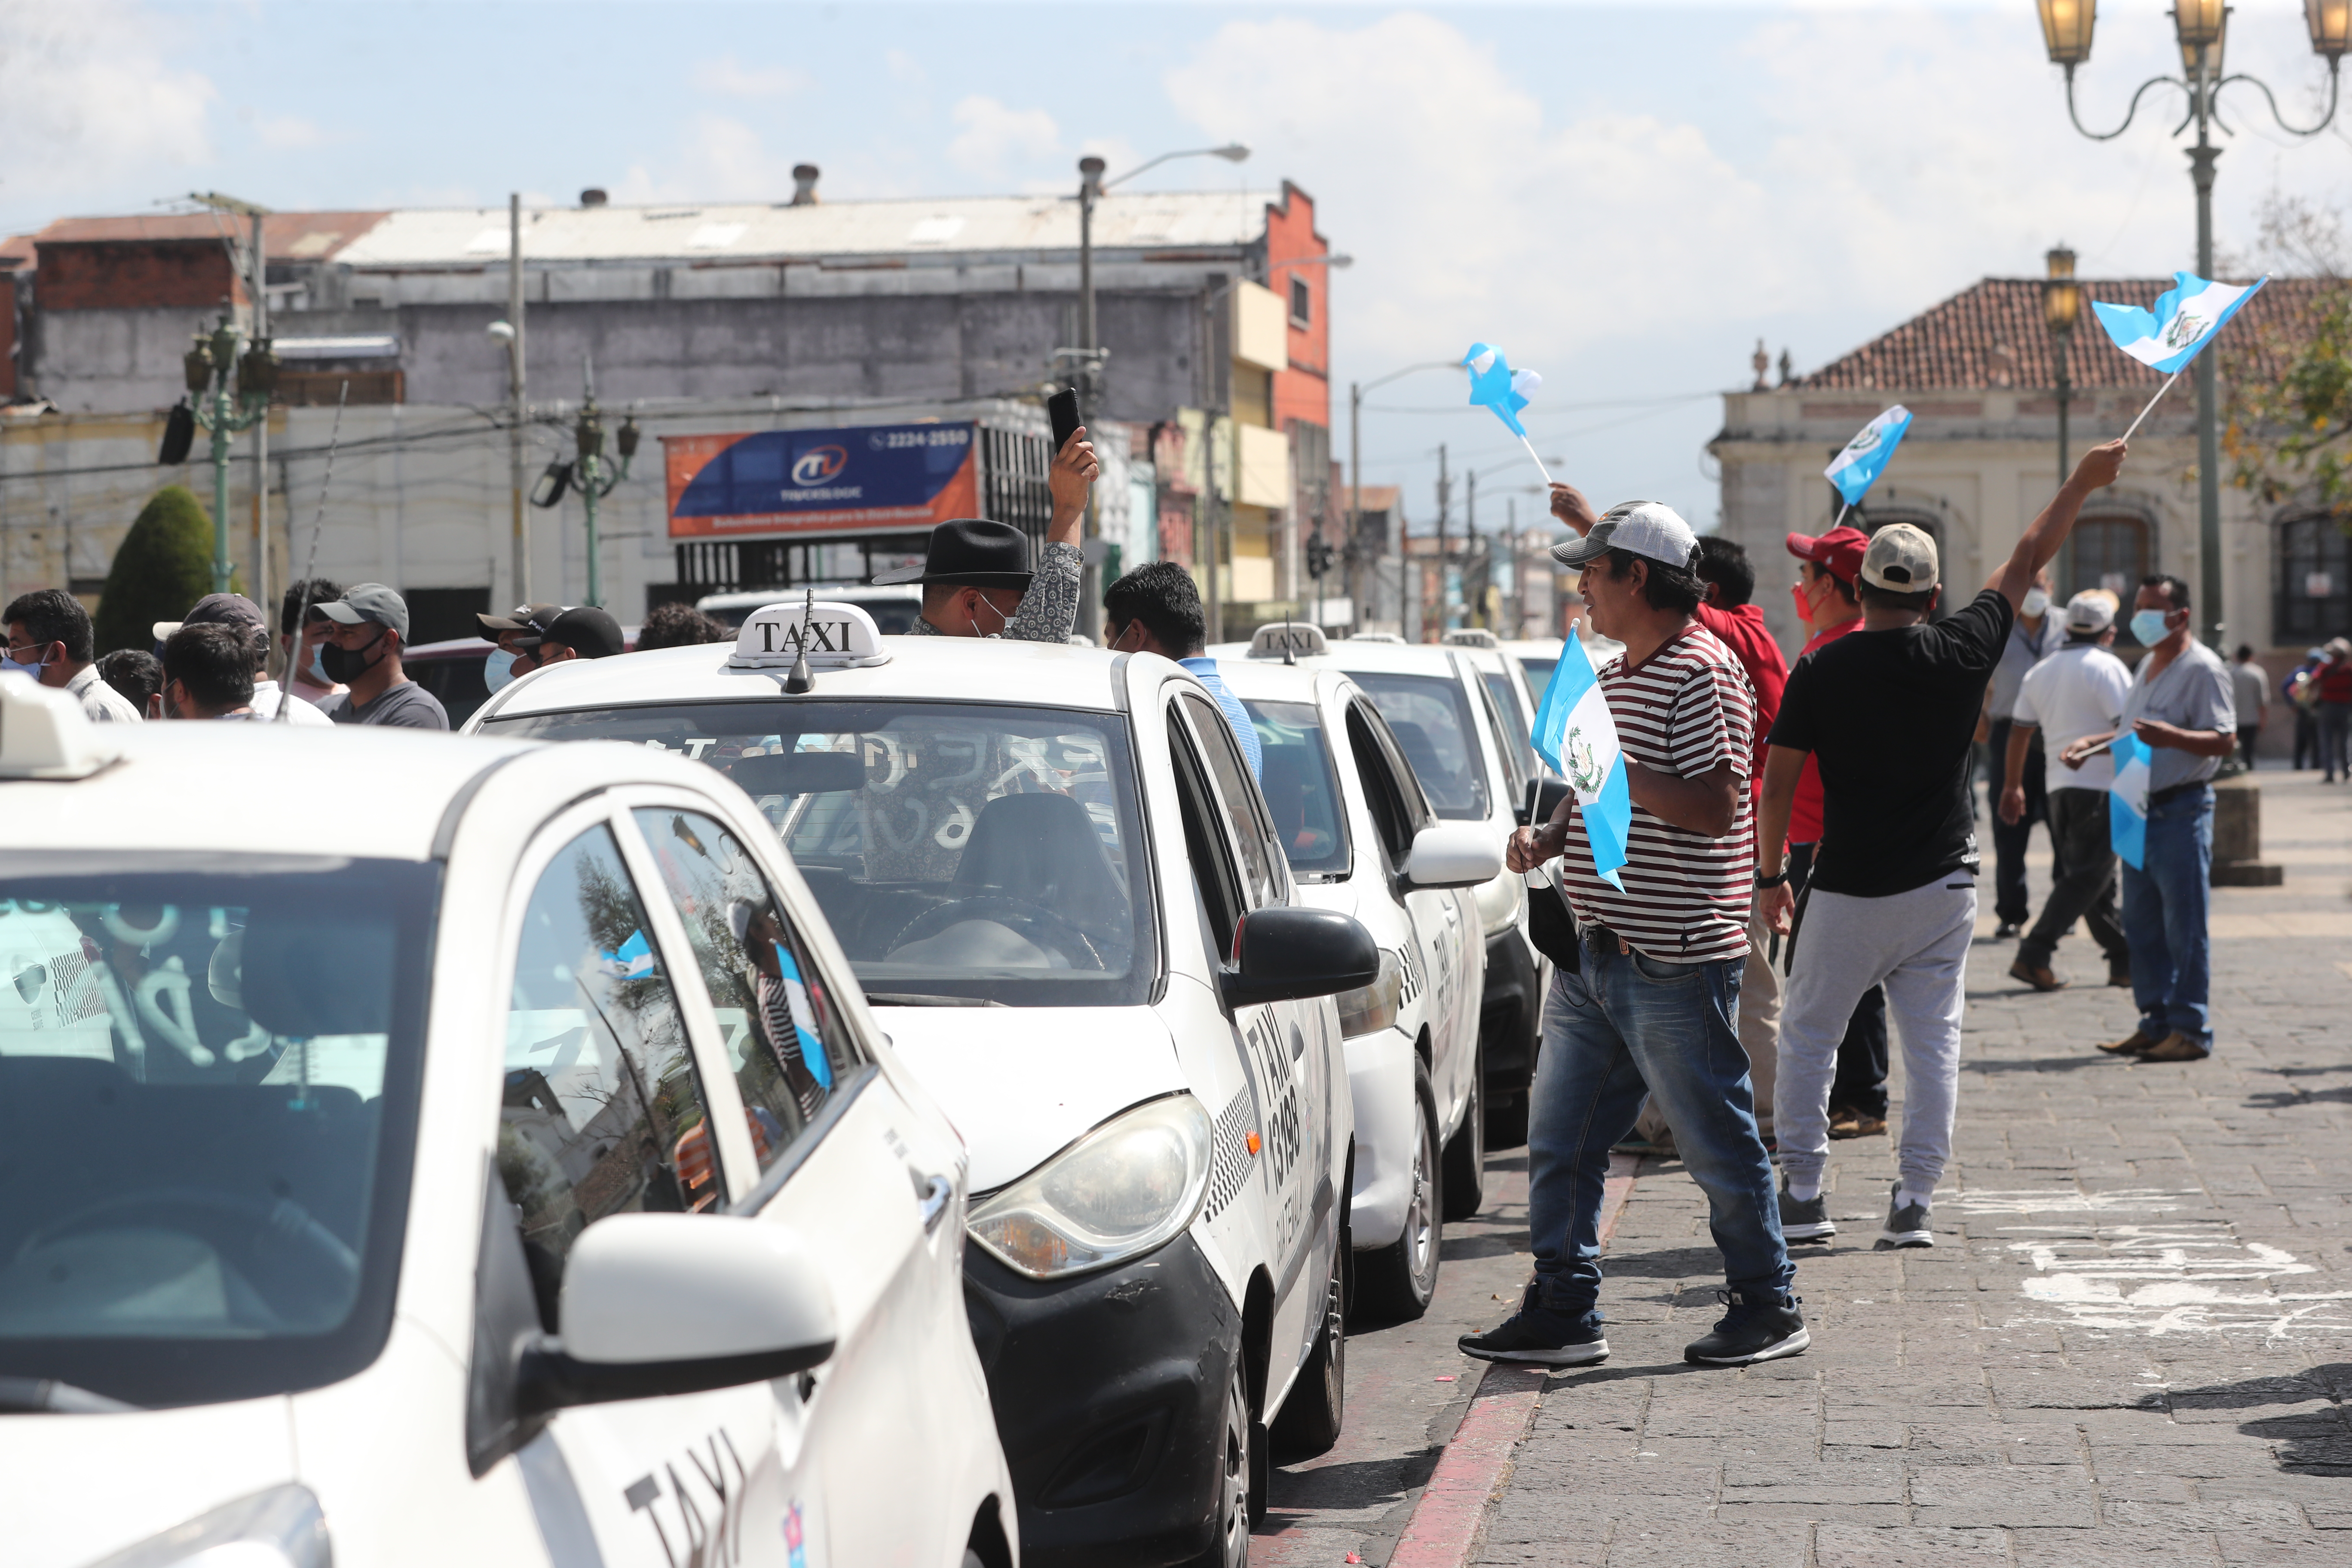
x=1857, y=468
x=1575, y=734
x=1495, y=384
x=2175, y=329
x=2127, y=802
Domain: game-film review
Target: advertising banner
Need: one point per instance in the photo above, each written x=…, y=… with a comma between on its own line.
x=898, y=477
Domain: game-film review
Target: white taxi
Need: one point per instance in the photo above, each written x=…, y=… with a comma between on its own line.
x=438, y=1151
x=1362, y=839
x=1061, y=890
x=1507, y=687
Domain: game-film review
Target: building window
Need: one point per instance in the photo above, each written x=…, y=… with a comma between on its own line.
x=1302, y=303
x=2110, y=553
x=2315, y=582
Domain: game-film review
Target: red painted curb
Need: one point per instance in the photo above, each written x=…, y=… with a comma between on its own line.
x=1444, y=1523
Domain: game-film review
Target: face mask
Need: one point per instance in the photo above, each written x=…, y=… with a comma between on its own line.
x=344, y=665
x=10, y=666
x=498, y=670
x=2036, y=602
x=316, y=671
x=2147, y=627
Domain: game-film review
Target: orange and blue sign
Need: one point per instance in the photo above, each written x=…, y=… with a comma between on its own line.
x=900, y=477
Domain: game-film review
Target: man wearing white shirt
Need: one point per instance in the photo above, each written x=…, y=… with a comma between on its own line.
x=2077, y=691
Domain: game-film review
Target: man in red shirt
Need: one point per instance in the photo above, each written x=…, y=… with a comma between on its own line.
x=1824, y=594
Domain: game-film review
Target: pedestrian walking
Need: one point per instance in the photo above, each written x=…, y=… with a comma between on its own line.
x=1652, y=1001
x=2079, y=690
x=1828, y=568
x=2250, y=690
x=299, y=643
x=1156, y=608
x=976, y=576
x=208, y=672
x=49, y=639
x=369, y=630
x=2334, y=710
x=2302, y=694
x=2180, y=706
x=2034, y=636
x=1890, y=711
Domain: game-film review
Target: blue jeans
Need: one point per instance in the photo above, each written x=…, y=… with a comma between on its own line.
x=2164, y=919
x=1625, y=1026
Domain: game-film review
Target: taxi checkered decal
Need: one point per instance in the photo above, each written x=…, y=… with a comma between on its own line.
x=1230, y=1153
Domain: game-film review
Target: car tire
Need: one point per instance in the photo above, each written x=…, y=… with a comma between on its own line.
x=1396, y=1282
x=1231, y=1508
x=1506, y=1121
x=1310, y=1421
x=1466, y=1153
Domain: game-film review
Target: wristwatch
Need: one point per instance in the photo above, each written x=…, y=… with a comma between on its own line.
x=1780, y=881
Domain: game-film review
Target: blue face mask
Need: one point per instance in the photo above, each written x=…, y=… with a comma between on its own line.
x=316, y=671
x=10, y=666
x=2147, y=627
x=498, y=670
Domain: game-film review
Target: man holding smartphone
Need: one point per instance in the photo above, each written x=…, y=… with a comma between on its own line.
x=976, y=576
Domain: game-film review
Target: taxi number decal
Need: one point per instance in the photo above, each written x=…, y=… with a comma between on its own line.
x=1281, y=1112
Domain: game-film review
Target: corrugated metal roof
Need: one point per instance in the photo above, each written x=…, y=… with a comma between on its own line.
x=713, y=231
x=287, y=237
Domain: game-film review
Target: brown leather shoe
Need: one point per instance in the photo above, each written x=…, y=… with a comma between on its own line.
x=2040, y=979
x=2131, y=1045
x=1870, y=1127
x=1845, y=1121
x=2119, y=977
x=2175, y=1047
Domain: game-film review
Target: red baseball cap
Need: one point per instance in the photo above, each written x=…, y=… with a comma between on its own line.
x=1838, y=551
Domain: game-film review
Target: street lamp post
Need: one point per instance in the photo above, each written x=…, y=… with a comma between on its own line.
x=2062, y=303
x=210, y=364
x=1356, y=391
x=596, y=475
x=2200, y=27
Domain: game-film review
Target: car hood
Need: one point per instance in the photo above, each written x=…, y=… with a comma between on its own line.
x=1021, y=1083
x=106, y=1482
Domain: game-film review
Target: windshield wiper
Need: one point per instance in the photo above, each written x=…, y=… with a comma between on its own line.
x=46, y=1395
x=925, y=999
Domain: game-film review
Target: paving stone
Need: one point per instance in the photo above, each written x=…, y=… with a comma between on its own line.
x=1843, y=1545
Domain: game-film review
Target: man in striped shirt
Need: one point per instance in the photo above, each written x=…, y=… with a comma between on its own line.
x=1653, y=1003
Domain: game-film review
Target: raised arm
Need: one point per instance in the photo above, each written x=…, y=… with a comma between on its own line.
x=2038, y=546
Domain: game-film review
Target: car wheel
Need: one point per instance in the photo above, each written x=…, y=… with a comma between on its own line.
x=1310, y=1422
x=1466, y=1153
x=1230, y=1548
x=1397, y=1281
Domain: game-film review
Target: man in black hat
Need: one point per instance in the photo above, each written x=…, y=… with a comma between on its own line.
x=582, y=632
x=976, y=578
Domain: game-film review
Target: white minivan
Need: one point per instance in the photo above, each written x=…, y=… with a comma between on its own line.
x=1062, y=892
x=433, y=1151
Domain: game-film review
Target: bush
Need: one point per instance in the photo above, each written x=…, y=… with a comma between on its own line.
x=164, y=566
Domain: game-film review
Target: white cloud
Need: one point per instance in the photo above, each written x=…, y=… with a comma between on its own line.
x=91, y=99
x=718, y=159
x=733, y=80
x=288, y=132
x=991, y=138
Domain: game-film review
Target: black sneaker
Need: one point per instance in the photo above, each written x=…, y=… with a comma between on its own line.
x=1539, y=1336
x=1907, y=1224
x=1750, y=1331
x=1807, y=1221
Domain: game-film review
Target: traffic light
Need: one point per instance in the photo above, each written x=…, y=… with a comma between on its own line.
x=1318, y=556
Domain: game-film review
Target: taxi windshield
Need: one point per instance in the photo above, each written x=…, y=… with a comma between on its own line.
x=1301, y=790
x=962, y=851
x=207, y=1087
x=1431, y=717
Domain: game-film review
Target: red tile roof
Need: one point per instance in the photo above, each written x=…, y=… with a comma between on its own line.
x=1991, y=334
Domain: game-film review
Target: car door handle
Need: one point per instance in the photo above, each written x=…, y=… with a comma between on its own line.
x=934, y=1201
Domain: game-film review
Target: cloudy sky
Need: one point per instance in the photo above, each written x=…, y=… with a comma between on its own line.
x=1626, y=196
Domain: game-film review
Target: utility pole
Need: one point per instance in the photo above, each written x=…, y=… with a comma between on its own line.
x=1090, y=189
x=1516, y=622
x=522, y=514
x=260, y=269
x=1469, y=547
x=1444, y=496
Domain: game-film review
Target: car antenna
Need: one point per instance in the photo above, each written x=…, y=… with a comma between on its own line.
x=800, y=679
x=286, y=697
x=1290, y=654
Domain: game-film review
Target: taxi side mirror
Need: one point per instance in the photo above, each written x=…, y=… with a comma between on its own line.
x=1286, y=954
x=1453, y=855
x=658, y=1304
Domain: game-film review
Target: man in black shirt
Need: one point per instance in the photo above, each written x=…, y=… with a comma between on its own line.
x=1888, y=711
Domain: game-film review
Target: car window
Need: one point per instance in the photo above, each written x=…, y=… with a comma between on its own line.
x=602, y=1112
x=958, y=849
x=1261, y=857
x=1430, y=717
x=1514, y=773
x=1398, y=809
x=1538, y=673
x=786, y=1037
x=1301, y=788
x=1208, y=847
x=207, y=1097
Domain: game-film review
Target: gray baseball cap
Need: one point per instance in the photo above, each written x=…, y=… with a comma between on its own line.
x=369, y=602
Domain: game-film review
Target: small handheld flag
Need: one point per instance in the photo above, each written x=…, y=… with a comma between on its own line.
x=2175, y=329
x=2127, y=802
x=1495, y=384
x=1857, y=467
x=1575, y=734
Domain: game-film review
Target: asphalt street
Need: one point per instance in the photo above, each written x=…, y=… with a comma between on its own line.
x=2132, y=1343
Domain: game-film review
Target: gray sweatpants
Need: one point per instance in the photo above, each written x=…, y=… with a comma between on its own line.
x=1916, y=945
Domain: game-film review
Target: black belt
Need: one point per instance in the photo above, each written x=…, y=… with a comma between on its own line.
x=2173, y=792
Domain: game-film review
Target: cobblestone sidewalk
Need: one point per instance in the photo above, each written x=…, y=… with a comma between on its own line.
x=2131, y=1343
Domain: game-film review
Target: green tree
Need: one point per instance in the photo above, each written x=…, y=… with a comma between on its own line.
x=2286, y=431
x=164, y=566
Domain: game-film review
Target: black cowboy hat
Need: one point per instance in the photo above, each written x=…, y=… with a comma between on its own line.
x=970, y=552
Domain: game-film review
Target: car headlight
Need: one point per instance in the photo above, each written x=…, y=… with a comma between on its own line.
x=1369, y=1009
x=281, y=1528
x=1123, y=1189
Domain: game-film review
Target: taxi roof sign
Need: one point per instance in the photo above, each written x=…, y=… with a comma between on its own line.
x=44, y=735
x=1277, y=639
x=1471, y=636
x=834, y=635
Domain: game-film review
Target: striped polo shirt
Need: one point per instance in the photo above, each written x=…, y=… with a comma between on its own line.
x=1685, y=710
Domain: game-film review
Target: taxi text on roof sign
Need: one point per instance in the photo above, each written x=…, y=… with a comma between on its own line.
x=834, y=635
x=1295, y=637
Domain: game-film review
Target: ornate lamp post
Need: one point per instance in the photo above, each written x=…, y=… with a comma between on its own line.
x=596, y=474
x=2200, y=27
x=2062, y=303
x=210, y=364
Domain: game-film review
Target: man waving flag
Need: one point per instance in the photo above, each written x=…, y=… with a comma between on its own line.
x=1575, y=735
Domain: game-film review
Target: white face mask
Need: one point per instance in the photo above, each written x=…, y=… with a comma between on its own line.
x=2037, y=602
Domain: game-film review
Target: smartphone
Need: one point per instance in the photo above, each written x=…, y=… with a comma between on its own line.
x=1062, y=408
